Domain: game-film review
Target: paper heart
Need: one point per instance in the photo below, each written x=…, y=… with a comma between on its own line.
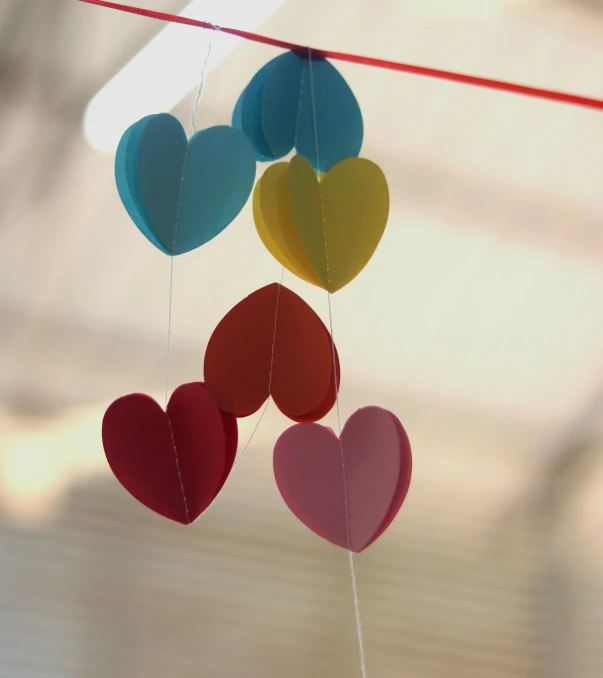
x=324, y=232
x=309, y=472
x=181, y=193
x=297, y=102
x=176, y=461
x=241, y=368
x=275, y=224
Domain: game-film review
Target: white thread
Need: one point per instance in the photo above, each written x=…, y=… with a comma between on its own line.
x=191, y=131
x=192, y=128
x=169, y=331
x=335, y=379
x=259, y=421
x=357, y=611
x=299, y=102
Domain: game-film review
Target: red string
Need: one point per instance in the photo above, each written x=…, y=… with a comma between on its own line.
x=551, y=95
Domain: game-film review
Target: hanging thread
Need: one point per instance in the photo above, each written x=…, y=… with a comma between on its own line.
x=191, y=131
x=259, y=421
x=337, y=409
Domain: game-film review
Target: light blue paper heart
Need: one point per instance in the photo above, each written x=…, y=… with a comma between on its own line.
x=127, y=183
x=180, y=214
x=247, y=115
x=282, y=102
x=284, y=108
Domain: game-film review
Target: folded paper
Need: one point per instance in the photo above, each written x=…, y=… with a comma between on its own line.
x=272, y=343
x=349, y=489
x=174, y=461
x=298, y=101
x=275, y=224
x=179, y=193
x=325, y=232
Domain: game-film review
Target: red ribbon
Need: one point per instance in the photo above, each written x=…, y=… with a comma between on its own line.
x=537, y=92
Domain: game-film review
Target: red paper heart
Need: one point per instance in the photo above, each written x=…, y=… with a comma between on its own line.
x=242, y=370
x=309, y=472
x=174, y=462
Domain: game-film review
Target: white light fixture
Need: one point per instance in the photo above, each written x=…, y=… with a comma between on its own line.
x=168, y=68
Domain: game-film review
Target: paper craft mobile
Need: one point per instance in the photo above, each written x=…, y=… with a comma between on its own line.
x=321, y=215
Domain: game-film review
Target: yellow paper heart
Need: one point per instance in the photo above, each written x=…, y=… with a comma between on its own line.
x=324, y=232
x=340, y=220
x=274, y=222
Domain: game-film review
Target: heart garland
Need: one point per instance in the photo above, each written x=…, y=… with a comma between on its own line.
x=322, y=216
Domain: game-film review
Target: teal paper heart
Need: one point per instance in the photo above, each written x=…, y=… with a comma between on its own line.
x=294, y=102
x=182, y=194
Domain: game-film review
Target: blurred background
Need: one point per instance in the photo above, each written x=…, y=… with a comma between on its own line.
x=479, y=322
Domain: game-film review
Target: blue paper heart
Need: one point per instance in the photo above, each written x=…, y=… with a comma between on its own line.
x=286, y=105
x=182, y=194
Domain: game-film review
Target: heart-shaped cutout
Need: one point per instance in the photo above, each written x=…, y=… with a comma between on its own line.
x=175, y=461
x=324, y=232
x=373, y=452
x=272, y=343
x=179, y=193
x=275, y=224
x=297, y=102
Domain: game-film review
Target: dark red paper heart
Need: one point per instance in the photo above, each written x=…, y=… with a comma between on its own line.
x=309, y=473
x=176, y=461
x=241, y=369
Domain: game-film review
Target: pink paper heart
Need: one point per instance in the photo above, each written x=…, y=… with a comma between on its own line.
x=309, y=472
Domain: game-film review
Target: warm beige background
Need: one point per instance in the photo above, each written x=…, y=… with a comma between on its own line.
x=479, y=322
